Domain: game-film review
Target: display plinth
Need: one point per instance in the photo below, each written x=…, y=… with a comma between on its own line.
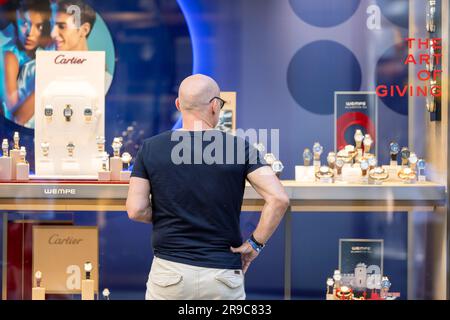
x=87, y=290
x=47, y=167
x=305, y=174
x=125, y=175
x=104, y=176
x=22, y=172
x=15, y=156
x=116, y=166
x=6, y=166
x=38, y=293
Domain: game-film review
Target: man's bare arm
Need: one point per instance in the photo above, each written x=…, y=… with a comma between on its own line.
x=138, y=201
x=267, y=184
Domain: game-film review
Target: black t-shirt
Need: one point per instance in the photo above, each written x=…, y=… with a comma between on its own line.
x=197, y=181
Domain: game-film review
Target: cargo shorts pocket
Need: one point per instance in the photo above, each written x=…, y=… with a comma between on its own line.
x=164, y=286
x=230, y=285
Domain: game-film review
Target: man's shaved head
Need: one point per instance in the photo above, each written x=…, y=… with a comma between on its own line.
x=196, y=91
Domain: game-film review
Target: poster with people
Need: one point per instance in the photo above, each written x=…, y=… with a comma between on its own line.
x=28, y=26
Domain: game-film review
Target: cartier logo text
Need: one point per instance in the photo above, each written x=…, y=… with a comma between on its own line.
x=56, y=239
x=61, y=59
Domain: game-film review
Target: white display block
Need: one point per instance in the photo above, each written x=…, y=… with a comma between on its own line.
x=70, y=167
x=393, y=172
x=316, y=163
x=116, y=166
x=47, y=167
x=87, y=290
x=6, y=168
x=97, y=163
x=104, y=176
x=422, y=178
x=393, y=163
x=329, y=297
x=351, y=175
x=22, y=172
x=325, y=180
x=15, y=156
x=38, y=293
x=72, y=81
x=125, y=175
x=305, y=174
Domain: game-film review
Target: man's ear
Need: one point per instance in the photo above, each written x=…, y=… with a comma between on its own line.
x=177, y=104
x=85, y=29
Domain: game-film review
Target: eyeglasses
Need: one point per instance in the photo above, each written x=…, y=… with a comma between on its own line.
x=221, y=101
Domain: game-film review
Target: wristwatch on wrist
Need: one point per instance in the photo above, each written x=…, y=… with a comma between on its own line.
x=257, y=246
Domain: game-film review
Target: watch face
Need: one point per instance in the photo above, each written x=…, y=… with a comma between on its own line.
x=269, y=158
x=48, y=111
x=317, y=148
x=359, y=136
x=405, y=153
x=421, y=164
x=339, y=162
x=277, y=166
x=324, y=169
x=395, y=148
x=68, y=112
x=88, y=112
x=364, y=165
x=307, y=155
x=413, y=158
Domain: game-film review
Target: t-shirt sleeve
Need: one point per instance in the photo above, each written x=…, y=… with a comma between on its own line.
x=254, y=160
x=139, y=166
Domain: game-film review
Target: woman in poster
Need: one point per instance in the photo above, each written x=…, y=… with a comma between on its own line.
x=31, y=32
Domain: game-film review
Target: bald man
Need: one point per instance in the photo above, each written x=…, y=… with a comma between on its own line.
x=193, y=197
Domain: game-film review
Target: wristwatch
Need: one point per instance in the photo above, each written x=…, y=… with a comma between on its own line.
x=367, y=143
x=324, y=172
x=378, y=174
x=394, y=149
x=331, y=160
x=339, y=165
x=407, y=174
x=269, y=158
x=307, y=157
x=317, y=149
x=87, y=114
x=405, y=153
x=48, y=112
x=372, y=162
x=68, y=112
x=257, y=246
x=359, y=137
x=277, y=167
x=413, y=160
x=364, y=164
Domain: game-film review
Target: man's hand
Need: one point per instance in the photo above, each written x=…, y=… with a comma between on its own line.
x=248, y=254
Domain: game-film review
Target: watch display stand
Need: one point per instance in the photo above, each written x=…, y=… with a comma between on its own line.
x=305, y=173
x=104, y=176
x=87, y=289
x=329, y=296
x=22, y=172
x=47, y=167
x=70, y=166
x=97, y=163
x=393, y=163
x=325, y=180
x=6, y=166
x=351, y=175
x=316, y=164
x=393, y=172
x=116, y=166
x=125, y=175
x=38, y=293
x=15, y=156
x=364, y=179
x=422, y=178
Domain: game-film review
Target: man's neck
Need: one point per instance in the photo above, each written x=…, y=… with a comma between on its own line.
x=195, y=124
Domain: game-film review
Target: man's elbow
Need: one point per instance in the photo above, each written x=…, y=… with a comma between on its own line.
x=134, y=212
x=281, y=201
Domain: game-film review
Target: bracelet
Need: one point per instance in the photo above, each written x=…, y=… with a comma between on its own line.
x=255, y=244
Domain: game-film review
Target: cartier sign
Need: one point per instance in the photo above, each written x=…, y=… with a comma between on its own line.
x=59, y=252
x=62, y=59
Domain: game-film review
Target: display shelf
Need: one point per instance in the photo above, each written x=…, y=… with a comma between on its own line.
x=95, y=195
